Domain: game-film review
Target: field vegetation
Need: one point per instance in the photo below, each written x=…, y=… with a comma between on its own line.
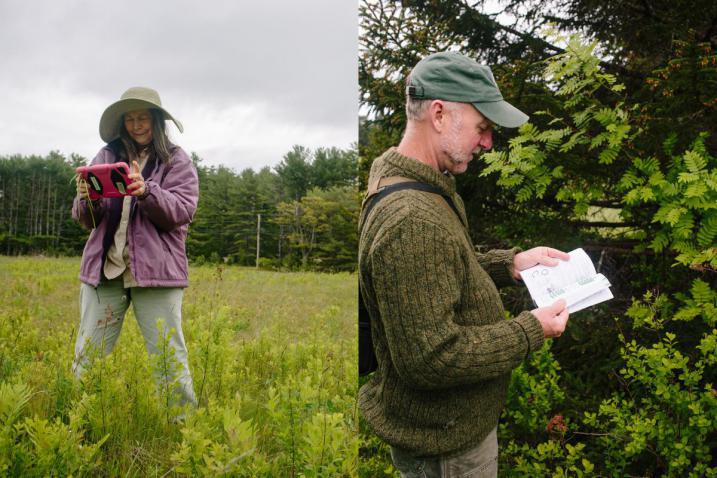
x=272, y=356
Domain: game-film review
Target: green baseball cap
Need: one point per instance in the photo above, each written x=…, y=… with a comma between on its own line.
x=451, y=76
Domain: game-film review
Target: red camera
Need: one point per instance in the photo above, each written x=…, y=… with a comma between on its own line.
x=106, y=180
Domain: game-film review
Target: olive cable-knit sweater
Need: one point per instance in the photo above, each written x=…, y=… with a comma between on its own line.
x=444, y=347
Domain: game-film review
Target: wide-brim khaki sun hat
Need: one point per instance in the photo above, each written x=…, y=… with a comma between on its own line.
x=136, y=98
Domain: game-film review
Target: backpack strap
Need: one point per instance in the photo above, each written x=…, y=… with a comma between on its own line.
x=377, y=190
x=380, y=183
x=382, y=187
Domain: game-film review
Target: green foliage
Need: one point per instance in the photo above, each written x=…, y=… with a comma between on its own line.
x=35, y=202
x=686, y=196
x=668, y=409
x=226, y=219
x=534, y=393
x=225, y=225
x=303, y=169
x=589, y=132
x=34, y=445
x=550, y=459
x=663, y=419
x=272, y=357
x=295, y=172
x=322, y=228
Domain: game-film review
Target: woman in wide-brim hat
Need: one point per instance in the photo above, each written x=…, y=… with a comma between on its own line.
x=136, y=249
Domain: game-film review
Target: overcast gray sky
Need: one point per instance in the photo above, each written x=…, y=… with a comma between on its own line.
x=247, y=79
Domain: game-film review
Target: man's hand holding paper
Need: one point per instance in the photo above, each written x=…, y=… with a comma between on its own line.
x=553, y=317
x=575, y=281
x=538, y=255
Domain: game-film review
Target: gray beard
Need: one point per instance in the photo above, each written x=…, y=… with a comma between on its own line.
x=449, y=142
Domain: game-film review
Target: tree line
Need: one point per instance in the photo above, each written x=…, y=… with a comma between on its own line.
x=299, y=214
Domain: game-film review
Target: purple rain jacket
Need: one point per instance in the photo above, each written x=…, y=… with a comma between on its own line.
x=158, y=223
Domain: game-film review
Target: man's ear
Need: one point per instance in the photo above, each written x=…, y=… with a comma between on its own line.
x=437, y=114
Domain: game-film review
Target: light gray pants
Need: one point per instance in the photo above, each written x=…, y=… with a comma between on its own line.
x=478, y=462
x=102, y=312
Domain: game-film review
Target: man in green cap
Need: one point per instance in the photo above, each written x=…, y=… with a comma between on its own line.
x=445, y=351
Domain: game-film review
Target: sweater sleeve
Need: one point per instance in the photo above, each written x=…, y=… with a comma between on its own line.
x=86, y=212
x=417, y=280
x=174, y=202
x=498, y=263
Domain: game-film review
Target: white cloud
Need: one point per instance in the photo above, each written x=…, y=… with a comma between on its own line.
x=252, y=135
x=247, y=79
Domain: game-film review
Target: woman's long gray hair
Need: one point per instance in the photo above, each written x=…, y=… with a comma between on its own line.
x=160, y=145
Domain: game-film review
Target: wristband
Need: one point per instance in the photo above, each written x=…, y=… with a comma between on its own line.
x=145, y=193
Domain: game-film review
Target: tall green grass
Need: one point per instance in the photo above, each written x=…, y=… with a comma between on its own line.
x=272, y=356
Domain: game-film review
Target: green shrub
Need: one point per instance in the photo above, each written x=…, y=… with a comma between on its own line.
x=272, y=357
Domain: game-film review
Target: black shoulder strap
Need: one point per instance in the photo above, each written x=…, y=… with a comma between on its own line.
x=367, y=356
x=392, y=188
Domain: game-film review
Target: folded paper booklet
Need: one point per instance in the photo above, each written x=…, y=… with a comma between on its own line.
x=575, y=281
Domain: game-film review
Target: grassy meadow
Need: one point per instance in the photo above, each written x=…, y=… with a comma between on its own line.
x=272, y=356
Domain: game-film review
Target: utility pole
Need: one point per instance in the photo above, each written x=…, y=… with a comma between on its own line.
x=258, y=238
x=281, y=238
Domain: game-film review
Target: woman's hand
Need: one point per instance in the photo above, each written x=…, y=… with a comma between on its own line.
x=137, y=187
x=82, y=189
